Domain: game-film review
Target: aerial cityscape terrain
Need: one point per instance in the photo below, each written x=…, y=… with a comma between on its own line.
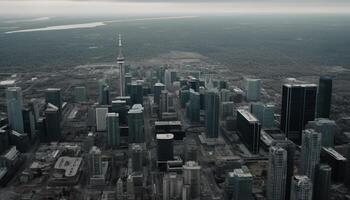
x=175, y=107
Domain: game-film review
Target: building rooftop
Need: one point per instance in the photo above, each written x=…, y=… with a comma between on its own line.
x=112, y=115
x=69, y=164
x=247, y=115
x=12, y=154
x=334, y=153
x=164, y=123
x=166, y=136
x=300, y=85
x=53, y=89
x=191, y=165
x=240, y=173
x=159, y=84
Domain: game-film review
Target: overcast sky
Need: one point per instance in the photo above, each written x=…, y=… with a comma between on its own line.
x=99, y=7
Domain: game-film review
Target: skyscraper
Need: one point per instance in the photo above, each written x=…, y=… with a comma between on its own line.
x=192, y=177
x=136, y=125
x=326, y=127
x=277, y=173
x=172, y=186
x=194, y=106
x=53, y=96
x=103, y=92
x=158, y=87
x=127, y=83
x=298, y=107
x=264, y=113
x=310, y=152
x=322, y=182
x=248, y=128
x=212, y=104
x=53, y=126
x=165, y=147
x=120, y=63
x=95, y=161
x=242, y=184
x=289, y=146
x=163, y=106
x=136, y=157
x=14, y=102
x=252, y=89
x=324, y=97
x=136, y=93
x=101, y=114
x=301, y=188
x=113, y=131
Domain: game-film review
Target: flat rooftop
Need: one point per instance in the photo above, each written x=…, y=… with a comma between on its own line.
x=247, y=115
x=164, y=123
x=166, y=136
x=300, y=85
x=69, y=164
x=334, y=153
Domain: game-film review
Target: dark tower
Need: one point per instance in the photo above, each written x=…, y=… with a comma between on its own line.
x=324, y=97
x=298, y=108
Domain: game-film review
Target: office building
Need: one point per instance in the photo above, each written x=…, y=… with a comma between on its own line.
x=14, y=103
x=253, y=87
x=80, y=94
x=127, y=83
x=136, y=124
x=103, y=92
x=167, y=79
x=53, y=125
x=310, y=152
x=184, y=97
x=336, y=161
x=165, y=147
x=324, y=97
x=226, y=109
x=163, y=106
x=136, y=93
x=113, y=130
x=53, y=96
x=136, y=157
x=298, y=108
x=212, y=104
x=120, y=107
x=225, y=95
x=194, y=106
x=101, y=114
x=172, y=186
x=322, y=182
x=29, y=122
x=193, y=83
x=4, y=140
x=192, y=177
x=277, y=173
x=301, y=188
x=248, y=128
x=95, y=161
x=264, y=113
x=290, y=147
x=326, y=127
x=242, y=184
x=158, y=88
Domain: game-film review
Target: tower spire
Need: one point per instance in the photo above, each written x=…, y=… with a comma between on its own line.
x=120, y=45
x=120, y=63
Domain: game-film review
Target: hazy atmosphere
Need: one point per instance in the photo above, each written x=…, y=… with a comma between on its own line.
x=175, y=99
